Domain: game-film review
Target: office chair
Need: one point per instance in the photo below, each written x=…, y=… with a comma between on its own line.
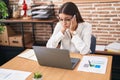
x=93, y=44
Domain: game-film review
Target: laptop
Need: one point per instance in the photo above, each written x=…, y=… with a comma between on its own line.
x=54, y=57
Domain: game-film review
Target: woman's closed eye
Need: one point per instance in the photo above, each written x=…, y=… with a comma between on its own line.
x=65, y=20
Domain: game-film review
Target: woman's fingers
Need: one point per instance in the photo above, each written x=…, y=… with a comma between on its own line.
x=73, y=24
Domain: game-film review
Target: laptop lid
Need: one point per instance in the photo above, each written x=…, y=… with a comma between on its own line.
x=54, y=57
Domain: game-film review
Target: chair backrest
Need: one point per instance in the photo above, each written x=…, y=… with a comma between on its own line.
x=93, y=44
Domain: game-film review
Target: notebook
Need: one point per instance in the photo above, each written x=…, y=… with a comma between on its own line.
x=54, y=57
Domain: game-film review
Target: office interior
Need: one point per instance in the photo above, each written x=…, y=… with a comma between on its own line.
x=104, y=15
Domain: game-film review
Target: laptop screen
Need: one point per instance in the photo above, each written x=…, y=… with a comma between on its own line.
x=54, y=57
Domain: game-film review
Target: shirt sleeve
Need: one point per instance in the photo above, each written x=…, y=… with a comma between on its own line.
x=83, y=44
x=56, y=37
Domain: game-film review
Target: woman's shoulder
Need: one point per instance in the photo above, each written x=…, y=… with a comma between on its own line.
x=84, y=26
x=86, y=23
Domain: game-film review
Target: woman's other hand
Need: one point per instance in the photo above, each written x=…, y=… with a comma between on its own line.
x=63, y=29
x=73, y=25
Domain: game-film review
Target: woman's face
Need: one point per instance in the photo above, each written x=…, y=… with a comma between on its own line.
x=65, y=19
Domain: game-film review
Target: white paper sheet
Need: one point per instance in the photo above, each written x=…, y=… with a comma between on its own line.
x=93, y=64
x=113, y=45
x=8, y=74
x=100, y=47
x=29, y=55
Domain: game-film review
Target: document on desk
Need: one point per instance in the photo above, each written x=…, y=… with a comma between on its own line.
x=100, y=47
x=8, y=74
x=29, y=54
x=93, y=64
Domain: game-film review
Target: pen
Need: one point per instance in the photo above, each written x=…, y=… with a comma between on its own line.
x=89, y=63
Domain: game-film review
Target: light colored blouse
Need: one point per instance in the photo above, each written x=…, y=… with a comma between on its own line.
x=78, y=43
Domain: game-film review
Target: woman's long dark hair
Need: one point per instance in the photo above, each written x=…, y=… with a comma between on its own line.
x=70, y=8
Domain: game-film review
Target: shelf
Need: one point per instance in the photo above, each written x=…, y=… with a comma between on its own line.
x=37, y=43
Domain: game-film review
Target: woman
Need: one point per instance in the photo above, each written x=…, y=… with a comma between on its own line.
x=71, y=31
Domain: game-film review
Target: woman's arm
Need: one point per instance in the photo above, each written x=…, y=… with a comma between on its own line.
x=82, y=43
x=56, y=37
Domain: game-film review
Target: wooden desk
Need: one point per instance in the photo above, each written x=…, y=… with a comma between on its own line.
x=50, y=73
x=32, y=21
x=107, y=53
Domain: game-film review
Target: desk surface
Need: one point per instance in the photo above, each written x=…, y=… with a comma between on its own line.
x=50, y=73
x=107, y=52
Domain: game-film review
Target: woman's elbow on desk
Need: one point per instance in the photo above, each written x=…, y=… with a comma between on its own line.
x=85, y=51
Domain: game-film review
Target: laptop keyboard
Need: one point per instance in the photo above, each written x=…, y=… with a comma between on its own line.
x=73, y=60
x=73, y=63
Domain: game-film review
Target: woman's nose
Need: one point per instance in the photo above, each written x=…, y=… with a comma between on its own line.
x=64, y=22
